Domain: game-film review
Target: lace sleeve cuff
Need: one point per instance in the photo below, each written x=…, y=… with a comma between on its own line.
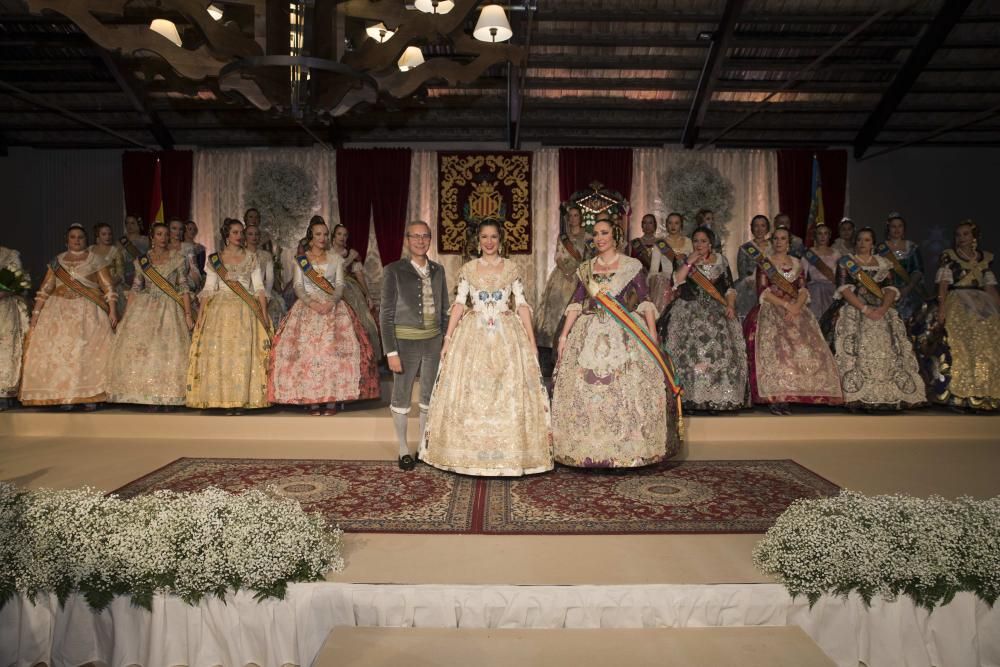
x=944, y=276
x=574, y=308
x=729, y=291
x=989, y=279
x=839, y=292
x=894, y=289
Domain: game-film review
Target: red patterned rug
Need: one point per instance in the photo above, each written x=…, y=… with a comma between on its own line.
x=376, y=497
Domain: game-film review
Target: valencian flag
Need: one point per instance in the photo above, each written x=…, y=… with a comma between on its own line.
x=817, y=215
x=156, y=197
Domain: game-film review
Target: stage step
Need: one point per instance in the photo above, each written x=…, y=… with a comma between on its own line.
x=372, y=421
x=667, y=647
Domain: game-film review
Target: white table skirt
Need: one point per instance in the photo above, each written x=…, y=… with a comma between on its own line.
x=241, y=631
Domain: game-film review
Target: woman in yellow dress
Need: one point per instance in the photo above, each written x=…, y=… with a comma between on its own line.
x=961, y=355
x=14, y=322
x=232, y=338
x=113, y=255
x=72, y=328
x=489, y=413
x=150, y=352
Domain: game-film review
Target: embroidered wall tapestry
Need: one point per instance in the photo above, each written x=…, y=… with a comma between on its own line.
x=473, y=187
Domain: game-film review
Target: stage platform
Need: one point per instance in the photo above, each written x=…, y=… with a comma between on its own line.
x=371, y=422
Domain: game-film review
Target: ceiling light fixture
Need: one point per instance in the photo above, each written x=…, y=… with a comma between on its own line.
x=492, y=25
x=412, y=57
x=380, y=33
x=434, y=6
x=167, y=29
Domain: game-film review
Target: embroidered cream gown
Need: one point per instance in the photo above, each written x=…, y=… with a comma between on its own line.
x=14, y=325
x=230, y=347
x=610, y=407
x=489, y=413
x=66, y=360
x=150, y=353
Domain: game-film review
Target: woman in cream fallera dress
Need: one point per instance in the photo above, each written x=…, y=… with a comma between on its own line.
x=489, y=413
x=230, y=345
x=150, y=352
x=66, y=360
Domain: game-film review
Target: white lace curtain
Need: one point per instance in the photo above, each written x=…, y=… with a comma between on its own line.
x=220, y=177
x=754, y=175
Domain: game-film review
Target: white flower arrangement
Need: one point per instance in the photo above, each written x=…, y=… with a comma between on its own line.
x=188, y=544
x=285, y=195
x=692, y=184
x=929, y=549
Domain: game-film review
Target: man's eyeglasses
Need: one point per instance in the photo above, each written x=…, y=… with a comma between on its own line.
x=420, y=237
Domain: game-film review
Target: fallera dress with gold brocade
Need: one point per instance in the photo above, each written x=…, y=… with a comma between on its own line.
x=610, y=406
x=878, y=367
x=14, y=325
x=788, y=362
x=961, y=361
x=489, y=412
x=558, y=291
x=230, y=346
x=150, y=353
x=66, y=360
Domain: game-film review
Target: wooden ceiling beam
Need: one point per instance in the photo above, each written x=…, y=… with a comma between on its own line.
x=933, y=39
x=135, y=98
x=709, y=78
x=566, y=12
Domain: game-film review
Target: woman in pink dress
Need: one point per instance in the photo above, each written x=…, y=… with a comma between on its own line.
x=321, y=355
x=788, y=359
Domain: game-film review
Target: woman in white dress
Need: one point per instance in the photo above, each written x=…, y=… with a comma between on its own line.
x=113, y=255
x=275, y=304
x=177, y=243
x=489, y=413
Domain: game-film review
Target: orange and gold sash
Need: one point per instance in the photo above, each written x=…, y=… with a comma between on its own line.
x=89, y=293
x=150, y=271
x=861, y=276
x=623, y=318
x=702, y=281
x=313, y=275
x=884, y=250
x=239, y=290
x=770, y=270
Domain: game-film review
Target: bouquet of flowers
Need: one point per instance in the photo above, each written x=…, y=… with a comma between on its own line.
x=15, y=281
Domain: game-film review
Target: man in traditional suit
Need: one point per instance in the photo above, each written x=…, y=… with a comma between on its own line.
x=413, y=319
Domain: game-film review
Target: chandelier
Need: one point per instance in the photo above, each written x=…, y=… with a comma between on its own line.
x=303, y=58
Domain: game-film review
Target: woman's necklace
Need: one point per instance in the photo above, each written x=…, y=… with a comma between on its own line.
x=607, y=263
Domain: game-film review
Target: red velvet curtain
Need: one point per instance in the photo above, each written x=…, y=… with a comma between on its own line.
x=579, y=167
x=795, y=185
x=176, y=168
x=374, y=182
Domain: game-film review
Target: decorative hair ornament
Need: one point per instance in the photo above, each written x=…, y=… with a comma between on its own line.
x=846, y=219
x=893, y=215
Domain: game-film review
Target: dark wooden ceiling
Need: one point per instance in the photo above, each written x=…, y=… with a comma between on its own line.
x=599, y=72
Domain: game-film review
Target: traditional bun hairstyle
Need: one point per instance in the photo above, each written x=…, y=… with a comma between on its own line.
x=224, y=229
x=894, y=216
x=501, y=232
x=617, y=233
x=315, y=221
x=975, y=232
x=759, y=216
x=77, y=225
x=98, y=227
x=865, y=230
x=707, y=231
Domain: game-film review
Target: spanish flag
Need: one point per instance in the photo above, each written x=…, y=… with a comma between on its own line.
x=816, y=214
x=156, y=197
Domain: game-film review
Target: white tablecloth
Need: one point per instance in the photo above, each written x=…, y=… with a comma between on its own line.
x=241, y=631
